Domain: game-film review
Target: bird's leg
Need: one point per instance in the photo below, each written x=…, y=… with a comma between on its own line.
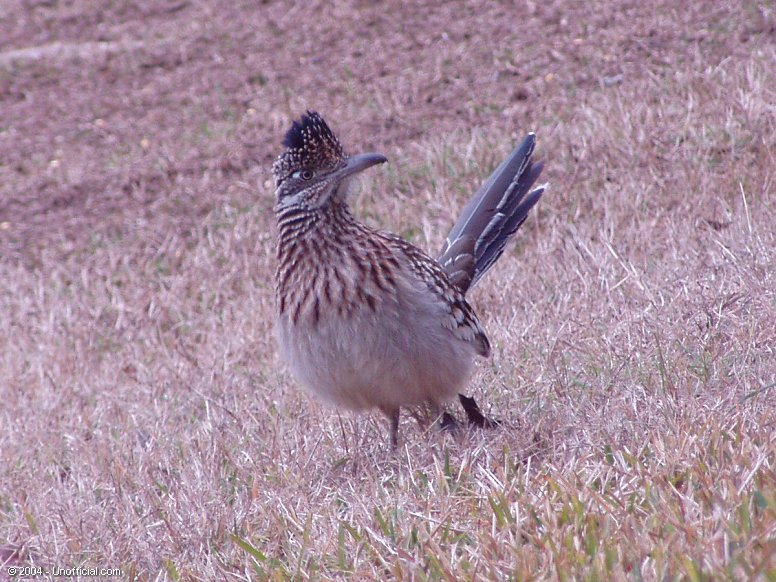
x=393, y=420
x=474, y=414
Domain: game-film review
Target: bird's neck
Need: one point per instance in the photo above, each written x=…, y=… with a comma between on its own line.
x=317, y=237
x=318, y=254
x=329, y=223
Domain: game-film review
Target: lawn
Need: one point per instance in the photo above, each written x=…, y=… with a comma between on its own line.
x=147, y=422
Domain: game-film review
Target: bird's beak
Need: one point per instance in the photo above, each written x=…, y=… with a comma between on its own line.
x=358, y=163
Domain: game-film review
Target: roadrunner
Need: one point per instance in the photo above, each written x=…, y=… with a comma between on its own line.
x=365, y=319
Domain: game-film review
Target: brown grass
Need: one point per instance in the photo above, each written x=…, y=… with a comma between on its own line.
x=147, y=423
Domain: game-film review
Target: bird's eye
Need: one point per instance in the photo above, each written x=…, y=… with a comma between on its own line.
x=303, y=174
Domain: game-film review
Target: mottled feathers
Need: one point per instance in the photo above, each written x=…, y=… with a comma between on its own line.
x=310, y=144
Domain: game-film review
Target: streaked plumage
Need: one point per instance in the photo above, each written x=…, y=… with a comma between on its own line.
x=365, y=319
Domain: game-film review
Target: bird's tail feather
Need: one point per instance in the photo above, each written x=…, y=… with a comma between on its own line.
x=492, y=216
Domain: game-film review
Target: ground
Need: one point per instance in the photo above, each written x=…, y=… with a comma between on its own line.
x=147, y=422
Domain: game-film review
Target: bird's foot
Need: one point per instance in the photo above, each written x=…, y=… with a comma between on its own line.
x=474, y=414
x=448, y=423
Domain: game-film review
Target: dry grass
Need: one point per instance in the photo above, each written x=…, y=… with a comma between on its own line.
x=146, y=422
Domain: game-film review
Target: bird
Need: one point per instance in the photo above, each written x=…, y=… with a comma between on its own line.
x=366, y=320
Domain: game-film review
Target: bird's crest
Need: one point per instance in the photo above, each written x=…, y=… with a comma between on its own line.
x=310, y=144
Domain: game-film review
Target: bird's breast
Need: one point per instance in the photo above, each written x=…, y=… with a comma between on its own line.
x=318, y=280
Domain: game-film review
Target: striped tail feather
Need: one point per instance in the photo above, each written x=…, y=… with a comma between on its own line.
x=492, y=216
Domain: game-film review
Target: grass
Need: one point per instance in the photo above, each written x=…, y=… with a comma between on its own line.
x=147, y=422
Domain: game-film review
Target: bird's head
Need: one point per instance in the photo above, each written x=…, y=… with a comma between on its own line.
x=314, y=167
